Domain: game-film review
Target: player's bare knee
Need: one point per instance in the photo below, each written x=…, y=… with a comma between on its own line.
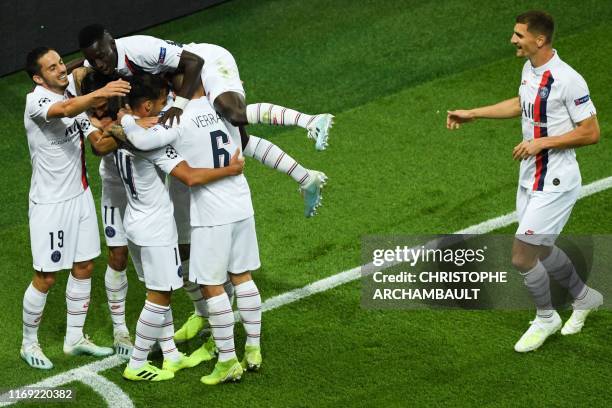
x=210, y=291
x=118, y=257
x=43, y=281
x=239, y=278
x=82, y=270
x=523, y=261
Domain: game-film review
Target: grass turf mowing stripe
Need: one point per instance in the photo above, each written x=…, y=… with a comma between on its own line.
x=117, y=398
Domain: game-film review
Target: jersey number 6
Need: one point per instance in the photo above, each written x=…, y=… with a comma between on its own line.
x=219, y=138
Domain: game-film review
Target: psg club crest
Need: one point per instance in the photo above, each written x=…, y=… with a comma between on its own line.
x=543, y=92
x=109, y=231
x=56, y=256
x=179, y=272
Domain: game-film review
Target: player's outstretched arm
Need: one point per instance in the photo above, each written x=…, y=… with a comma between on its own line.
x=510, y=108
x=190, y=65
x=586, y=133
x=197, y=176
x=147, y=139
x=69, y=108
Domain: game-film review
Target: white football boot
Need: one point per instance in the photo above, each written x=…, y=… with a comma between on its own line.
x=590, y=303
x=537, y=333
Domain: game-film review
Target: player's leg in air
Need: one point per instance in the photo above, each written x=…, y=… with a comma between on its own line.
x=224, y=90
x=155, y=324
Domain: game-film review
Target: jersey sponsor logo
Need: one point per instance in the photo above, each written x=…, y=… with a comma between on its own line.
x=43, y=101
x=179, y=271
x=162, y=55
x=109, y=231
x=582, y=100
x=56, y=256
x=171, y=152
x=544, y=92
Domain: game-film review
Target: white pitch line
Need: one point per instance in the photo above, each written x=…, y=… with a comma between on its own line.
x=116, y=398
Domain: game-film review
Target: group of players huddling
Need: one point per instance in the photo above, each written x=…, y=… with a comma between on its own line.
x=152, y=108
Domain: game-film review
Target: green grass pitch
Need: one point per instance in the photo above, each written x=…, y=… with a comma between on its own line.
x=388, y=70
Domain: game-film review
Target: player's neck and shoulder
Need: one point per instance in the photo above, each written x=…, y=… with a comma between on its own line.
x=559, y=69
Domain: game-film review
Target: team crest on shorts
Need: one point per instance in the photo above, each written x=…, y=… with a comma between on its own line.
x=179, y=272
x=543, y=92
x=56, y=256
x=109, y=231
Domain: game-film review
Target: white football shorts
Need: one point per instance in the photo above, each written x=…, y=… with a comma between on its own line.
x=112, y=210
x=220, y=72
x=158, y=267
x=220, y=249
x=542, y=215
x=63, y=233
x=180, y=196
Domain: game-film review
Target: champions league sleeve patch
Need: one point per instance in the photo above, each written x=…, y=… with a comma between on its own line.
x=582, y=100
x=162, y=55
x=171, y=152
x=43, y=101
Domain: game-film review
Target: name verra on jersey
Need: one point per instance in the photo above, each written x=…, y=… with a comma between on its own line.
x=205, y=120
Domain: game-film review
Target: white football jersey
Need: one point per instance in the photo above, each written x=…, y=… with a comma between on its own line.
x=204, y=141
x=57, y=148
x=553, y=97
x=142, y=53
x=149, y=216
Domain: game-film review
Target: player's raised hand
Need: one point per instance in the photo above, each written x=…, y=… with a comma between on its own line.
x=236, y=165
x=455, y=118
x=113, y=88
x=170, y=115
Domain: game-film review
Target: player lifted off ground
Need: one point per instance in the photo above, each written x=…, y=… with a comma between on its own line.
x=62, y=215
x=223, y=232
x=152, y=235
x=557, y=116
x=136, y=54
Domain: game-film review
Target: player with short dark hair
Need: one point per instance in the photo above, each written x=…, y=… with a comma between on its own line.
x=62, y=215
x=557, y=116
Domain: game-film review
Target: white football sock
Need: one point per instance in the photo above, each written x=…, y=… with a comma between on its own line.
x=273, y=157
x=33, y=306
x=77, y=304
x=148, y=331
x=538, y=284
x=270, y=114
x=166, y=340
x=221, y=320
x=561, y=268
x=249, y=306
x=116, y=284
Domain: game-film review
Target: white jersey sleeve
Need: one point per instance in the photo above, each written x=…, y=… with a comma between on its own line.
x=578, y=100
x=148, y=139
x=143, y=53
x=37, y=108
x=165, y=158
